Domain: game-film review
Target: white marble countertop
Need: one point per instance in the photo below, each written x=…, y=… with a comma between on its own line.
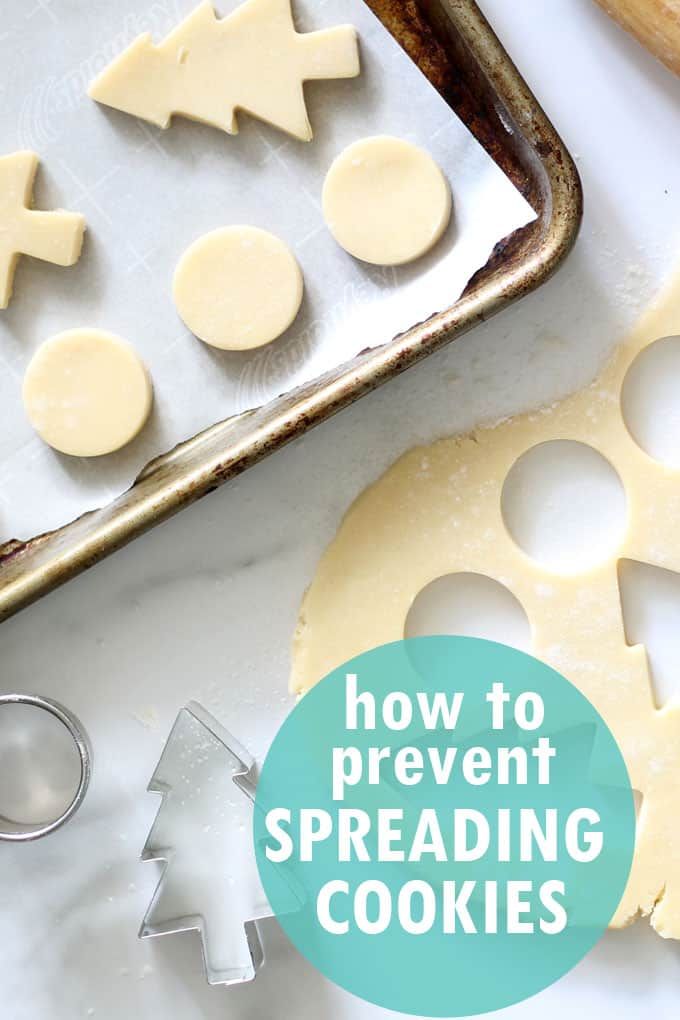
x=204, y=607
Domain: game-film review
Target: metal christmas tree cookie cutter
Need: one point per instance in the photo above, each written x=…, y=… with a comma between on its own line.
x=202, y=758
x=21, y=832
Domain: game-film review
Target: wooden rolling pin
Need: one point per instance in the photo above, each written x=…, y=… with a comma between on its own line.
x=656, y=23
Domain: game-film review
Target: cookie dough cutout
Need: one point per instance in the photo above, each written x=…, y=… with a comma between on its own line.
x=386, y=201
x=87, y=393
x=210, y=68
x=51, y=236
x=238, y=288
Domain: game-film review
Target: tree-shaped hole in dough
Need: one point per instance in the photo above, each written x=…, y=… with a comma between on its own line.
x=638, y=800
x=649, y=400
x=650, y=605
x=471, y=605
x=565, y=507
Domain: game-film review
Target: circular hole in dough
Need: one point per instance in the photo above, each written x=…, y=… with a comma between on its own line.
x=86, y=392
x=650, y=403
x=565, y=506
x=238, y=288
x=386, y=201
x=471, y=605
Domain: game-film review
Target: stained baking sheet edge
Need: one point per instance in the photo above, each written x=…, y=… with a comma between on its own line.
x=30, y=569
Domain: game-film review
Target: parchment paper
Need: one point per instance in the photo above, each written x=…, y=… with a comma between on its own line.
x=147, y=194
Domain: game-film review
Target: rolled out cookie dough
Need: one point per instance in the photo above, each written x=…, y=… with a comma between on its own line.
x=238, y=288
x=386, y=201
x=438, y=511
x=86, y=392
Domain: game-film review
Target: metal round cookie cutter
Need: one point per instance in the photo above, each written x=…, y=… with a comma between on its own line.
x=20, y=832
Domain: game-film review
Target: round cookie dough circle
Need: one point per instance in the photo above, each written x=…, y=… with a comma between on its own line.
x=238, y=288
x=86, y=392
x=386, y=201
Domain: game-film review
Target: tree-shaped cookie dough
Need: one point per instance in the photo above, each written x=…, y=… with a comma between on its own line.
x=52, y=236
x=209, y=68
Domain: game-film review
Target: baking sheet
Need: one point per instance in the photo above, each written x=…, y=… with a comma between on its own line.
x=148, y=194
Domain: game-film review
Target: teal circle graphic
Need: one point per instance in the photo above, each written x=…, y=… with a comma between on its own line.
x=444, y=826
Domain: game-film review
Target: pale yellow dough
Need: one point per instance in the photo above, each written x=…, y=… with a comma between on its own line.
x=86, y=392
x=386, y=201
x=209, y=68
x=238, y=288
x=52, y=236
x=437, y=511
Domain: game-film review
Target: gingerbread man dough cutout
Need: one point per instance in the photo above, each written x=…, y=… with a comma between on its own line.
x=52, y=236
x=208, y=68
x=438, y=511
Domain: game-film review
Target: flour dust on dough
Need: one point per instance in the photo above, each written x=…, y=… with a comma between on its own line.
x=86, y=392
x=437, y=512
x=209, y=68
x=386, y=201
x=52, y=236
x=238, y=288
